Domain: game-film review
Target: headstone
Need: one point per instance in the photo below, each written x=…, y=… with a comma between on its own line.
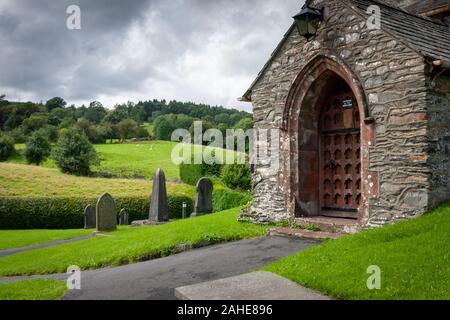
x=203, y=201
x=106, y=213
x=89, y=218
x=159, y=208
x=123, y=217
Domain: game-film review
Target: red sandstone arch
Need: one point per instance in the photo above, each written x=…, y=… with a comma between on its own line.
x=300, y=132
x=311, y=72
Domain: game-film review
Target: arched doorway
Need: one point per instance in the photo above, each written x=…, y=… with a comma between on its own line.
x=325, y=140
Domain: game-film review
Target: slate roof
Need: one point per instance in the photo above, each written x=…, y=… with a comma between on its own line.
x=427, y=6
x=430, y=38
x=426, y=36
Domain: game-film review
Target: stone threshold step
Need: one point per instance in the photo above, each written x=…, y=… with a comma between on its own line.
x=261, y=285
x=306, y=234
x=332, y=225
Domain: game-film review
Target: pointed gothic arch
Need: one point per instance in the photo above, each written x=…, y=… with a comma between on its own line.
x=301, y=129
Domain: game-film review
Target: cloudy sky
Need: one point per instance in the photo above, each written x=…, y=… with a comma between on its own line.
x=191, y=50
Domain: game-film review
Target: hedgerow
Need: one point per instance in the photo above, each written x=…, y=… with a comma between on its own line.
x=68, y=213
x=226, y=199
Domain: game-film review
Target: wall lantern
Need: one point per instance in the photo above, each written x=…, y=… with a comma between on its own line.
x=308, y=21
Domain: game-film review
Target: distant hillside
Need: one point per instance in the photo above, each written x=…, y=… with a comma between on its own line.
x=122, y=121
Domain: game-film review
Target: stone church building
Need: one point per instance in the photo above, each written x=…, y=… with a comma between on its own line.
x=363, y=113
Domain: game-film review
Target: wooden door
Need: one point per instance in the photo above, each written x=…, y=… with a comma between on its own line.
x=340, y=155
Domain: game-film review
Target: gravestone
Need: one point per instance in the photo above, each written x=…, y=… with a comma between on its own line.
x=159, y=208
x=106, y=213
x=89, y=218
x=203, y=200
x=123, y=217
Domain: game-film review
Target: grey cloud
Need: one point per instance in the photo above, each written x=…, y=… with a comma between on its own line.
x=140, y=49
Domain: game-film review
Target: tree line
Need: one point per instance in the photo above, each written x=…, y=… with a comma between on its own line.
x=124, y=121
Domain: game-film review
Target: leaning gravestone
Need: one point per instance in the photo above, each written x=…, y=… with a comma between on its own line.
x=89, y=218
x=106, y=213
x=203, y=201
x=123, y=217
x=159, y=208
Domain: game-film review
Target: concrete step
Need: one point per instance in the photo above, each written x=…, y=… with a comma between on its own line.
x=331, y=225
x=261, y=285
x=307, y=234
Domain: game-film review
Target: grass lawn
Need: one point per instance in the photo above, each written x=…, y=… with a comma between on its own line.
x=128, y=159
x=10, y=239
x=143, y=159
x=131, y=245
x=32, y=181
x=149, y=127
x=40, y=289
x=414, y=257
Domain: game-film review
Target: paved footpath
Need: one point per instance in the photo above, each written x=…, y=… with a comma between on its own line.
x=8, y=252
x=157, y=279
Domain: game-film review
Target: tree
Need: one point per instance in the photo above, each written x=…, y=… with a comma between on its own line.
x=244, y=124
x=74, y=153
x=183, y=122
x=66, y=123
x=55, y=103
x=155, y=115
x=58, y=115
x=15, y=113
x=83, y=124
x=206, y=125
x=3, y=101
x=37, y=148
x=236, y=117
x=18, y=135
x=126, y=129
x=107, y=131
x=142, y=133
x=119, y=113
x=162, y=129
x=94, y=133
x=137, y=113
x=237, y=176
x=6, y=147
x=96, y=112
x=35, y=122
x=50, y=132
x=80, y=112
x=222, y=118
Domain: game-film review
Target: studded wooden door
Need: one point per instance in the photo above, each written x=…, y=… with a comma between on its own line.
x=340, y=155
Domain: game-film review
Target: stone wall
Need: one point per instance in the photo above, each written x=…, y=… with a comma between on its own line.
x=438, y=103
x=394, y=81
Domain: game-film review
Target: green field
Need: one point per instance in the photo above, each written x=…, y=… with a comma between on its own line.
x=129, y=159
x=414, y=257
x=10, y=239
x=39, y=289
x=126, y=160
x=17, y=180
x=129, y=245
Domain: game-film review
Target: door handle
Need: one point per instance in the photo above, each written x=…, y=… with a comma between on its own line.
x=332, y=163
